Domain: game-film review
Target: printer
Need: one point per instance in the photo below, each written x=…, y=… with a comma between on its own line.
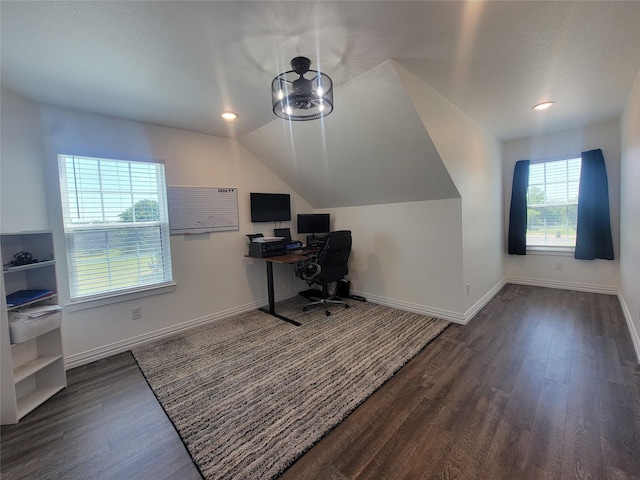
x=267, y=246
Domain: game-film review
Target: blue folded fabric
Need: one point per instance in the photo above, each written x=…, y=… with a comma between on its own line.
x=25, y=296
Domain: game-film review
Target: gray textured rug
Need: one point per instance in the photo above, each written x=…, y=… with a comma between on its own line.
x=250, y=394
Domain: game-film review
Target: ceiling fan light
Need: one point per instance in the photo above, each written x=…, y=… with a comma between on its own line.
x=297, y=98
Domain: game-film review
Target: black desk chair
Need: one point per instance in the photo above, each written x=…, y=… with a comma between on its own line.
x=329, y=265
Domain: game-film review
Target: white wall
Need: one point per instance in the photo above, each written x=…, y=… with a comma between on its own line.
x=213, y=277
x=472, y=158
x=540, y=268
x=630, y=214
x=22, y=179
x=406, y=254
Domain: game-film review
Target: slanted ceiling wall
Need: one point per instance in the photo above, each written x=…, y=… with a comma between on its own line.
x=372, y=149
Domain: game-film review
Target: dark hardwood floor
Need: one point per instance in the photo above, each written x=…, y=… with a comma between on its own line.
x=106, y=425
x=541, y=384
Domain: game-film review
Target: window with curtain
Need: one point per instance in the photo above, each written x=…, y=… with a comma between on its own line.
x=116, y=226
x=552, y=203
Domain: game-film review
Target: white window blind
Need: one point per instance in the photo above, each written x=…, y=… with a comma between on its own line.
x=116, y=225
x=552, y=203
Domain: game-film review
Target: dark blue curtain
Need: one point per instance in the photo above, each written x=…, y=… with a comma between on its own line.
x=518, y=212
x=593, y=239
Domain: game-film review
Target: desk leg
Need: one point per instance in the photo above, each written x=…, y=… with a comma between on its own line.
x=272, y=300
x=272, y=297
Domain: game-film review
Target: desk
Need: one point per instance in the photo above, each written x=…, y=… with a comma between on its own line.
x=289, y=258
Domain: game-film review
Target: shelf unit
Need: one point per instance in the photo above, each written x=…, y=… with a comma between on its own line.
x=32, y=371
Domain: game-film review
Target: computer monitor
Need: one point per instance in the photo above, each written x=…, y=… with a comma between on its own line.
x=282, y=232
x=270, y=207
x=314, y=223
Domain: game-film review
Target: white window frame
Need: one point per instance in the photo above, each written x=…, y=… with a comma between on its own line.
x=571, y=185
x=103, y=222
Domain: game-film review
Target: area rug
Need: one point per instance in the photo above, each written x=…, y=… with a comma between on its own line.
x=250, y=394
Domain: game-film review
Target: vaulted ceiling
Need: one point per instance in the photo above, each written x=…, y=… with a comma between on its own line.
x=357, y=156
x=180, y=64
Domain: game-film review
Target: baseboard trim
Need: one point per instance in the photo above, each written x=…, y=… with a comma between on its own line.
x=413, y=307
x=99, y=353
x=105, y=351
x=455, y=317
x=635, y=338
x=581, y=287
x=486, y=298
x=416, y=308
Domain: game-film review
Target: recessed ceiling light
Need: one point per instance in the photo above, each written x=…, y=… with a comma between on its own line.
x=543, y=105
x=229, y=116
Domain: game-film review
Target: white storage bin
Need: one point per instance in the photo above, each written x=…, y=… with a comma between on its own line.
x=29, y=323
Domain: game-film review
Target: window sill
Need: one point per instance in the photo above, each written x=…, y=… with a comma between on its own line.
x=121, y=297
x=551, y=251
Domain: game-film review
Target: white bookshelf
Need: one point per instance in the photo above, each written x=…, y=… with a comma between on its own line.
x=33, y=370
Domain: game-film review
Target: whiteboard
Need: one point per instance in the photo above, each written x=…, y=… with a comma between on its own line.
x=202, y=209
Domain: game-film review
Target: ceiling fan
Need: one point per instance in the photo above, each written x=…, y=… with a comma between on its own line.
x=298, y=98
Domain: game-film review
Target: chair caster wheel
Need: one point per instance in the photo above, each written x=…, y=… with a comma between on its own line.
x=304, y=309
x=327, y=313
x=346, y=306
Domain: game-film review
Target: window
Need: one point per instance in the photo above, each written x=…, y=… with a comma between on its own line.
x=116, y=226
x=552, y=203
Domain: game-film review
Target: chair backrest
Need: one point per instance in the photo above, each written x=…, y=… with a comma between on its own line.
x=334, y=256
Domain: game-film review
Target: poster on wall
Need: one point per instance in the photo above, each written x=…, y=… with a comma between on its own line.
x=202, y=209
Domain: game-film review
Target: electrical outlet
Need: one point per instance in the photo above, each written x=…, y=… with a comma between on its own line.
x=468, y=288
x=559, y=266
x=136, y=313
